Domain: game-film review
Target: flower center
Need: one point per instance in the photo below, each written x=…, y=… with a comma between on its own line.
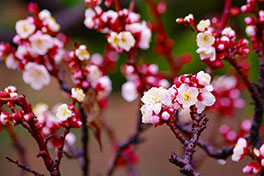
x=186, y=96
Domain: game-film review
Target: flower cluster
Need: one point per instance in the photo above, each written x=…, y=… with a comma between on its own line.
x=252, y=21
x=133, y=86
x=215, y=46
x=232, y=136
x=40, y=47
x=88, y=71
x=227, y=91
x=124, y=28
x=45, y=119
x=241, y=149
x=128, y=155
x=159, y=104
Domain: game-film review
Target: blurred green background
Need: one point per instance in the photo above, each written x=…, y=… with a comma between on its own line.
x=160, y=142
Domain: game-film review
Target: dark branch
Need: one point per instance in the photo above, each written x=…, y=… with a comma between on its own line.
x=24, y=166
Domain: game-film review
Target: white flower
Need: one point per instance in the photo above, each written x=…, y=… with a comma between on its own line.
x=188, y=18
x=97, y=59
x=203, y=24
x=129, y=91
x=48, y=20
x=146, y=112
x=89, y=15
x=82, y=53
x=93, y=72
x=187, y=96
x=11, y=89
x=25, y=28
x=52, y=24
x=44, y=14
x=126, y=41
x=145, y=33
x=36, y=75
x=63, y=112
x=106, y=84
x=208, y=99
x=239, y=149
x=21, y=52
x=113, y=39
x=40, y=43
x=39, y=110
x=225, y=83
x=153, y=101
x=157, y=96
x=251, y=30
x=4, y=118
x=11, y=62
x=70, y=138
x=109, y=15
x=59, y=55
x=229, y=32
x=78, y=94
x=207, y=52
x=205, y=39
x=133, y=17
x=203, y=78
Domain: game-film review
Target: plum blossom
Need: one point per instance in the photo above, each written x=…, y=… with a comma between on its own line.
x=82, y=53
x=203, y=78
x=105, y=85
x=36, y=75
x=129, y=91
x=126, y=41
x=240, y=149
x=123, y=40
x=252, y=168
x=113, y=39
x=203, y=25
x=251, y=30
x=11, y=62
x=205, y=39
x=187, y=96
x=89, y=22
x=207, y=52
x=188, y=18
x=143, y=30
x=4, y=118
x=208, y=99
x=12, y=90
x=25, y=28
x=78, y=94
x=39, y=110
x=63, y=112
x=93, y=72
x=153, y=101
x=40, y=43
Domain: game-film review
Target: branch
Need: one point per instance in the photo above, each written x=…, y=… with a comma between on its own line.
x=185, y=162
x=222, y=153
x=35, y=130
x=18, y=145
x=225, y=15
x=24, y=166
x=60, y=149
x=132, y=140
x=258, y=114
x=85, y=138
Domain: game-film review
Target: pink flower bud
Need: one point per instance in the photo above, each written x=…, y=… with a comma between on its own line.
x=165, y=115
x=27, y=117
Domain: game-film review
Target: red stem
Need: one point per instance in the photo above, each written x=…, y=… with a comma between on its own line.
x=225, y=14
x=117, y=5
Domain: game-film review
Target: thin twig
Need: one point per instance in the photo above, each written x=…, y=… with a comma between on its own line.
x=24, y=166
